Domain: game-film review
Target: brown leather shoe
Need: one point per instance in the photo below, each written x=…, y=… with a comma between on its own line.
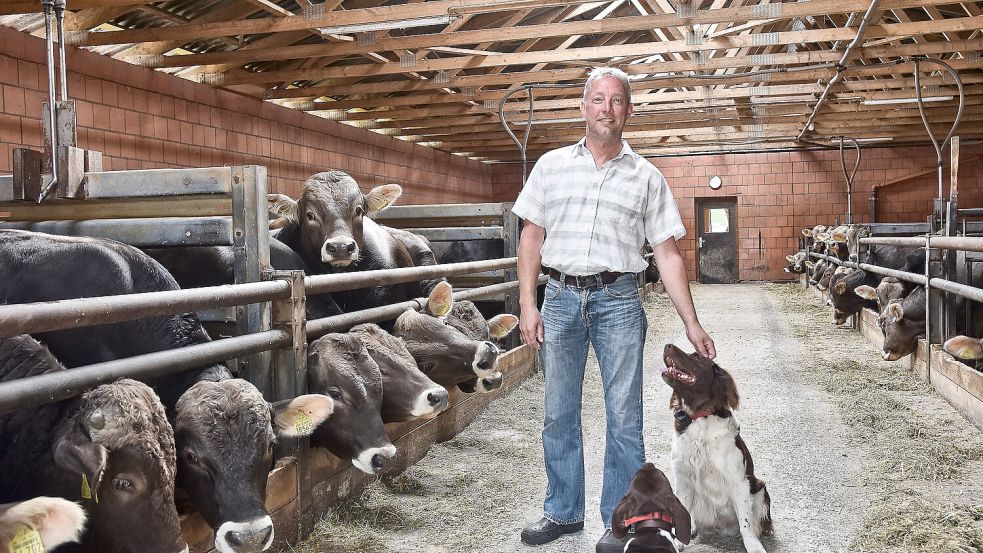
x=545, y=530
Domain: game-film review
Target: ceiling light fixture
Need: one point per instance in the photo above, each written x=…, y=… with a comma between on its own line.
x=388, y=25
x=886, y=101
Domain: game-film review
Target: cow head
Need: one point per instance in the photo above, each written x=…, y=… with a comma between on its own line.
x=902, y=322
x=796, y=263
x=466, y=317
x=118, y=450
x=890, y=288
x=339, y=365
x=443, y=352
x=845, y=301
x=329, y=214
x=52, y=520
x=226, y=433
x=407, y=393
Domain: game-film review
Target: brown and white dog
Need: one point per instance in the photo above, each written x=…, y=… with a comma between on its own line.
x=654, y=511
x=712, y=465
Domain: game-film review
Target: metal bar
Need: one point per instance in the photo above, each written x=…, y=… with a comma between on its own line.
x=29, y=318
x=971, y=211
x=55, y=386
x=876, y=269
x=159, y=182
x=442, y=211
x=966, y=291
x=968, y=243
x=48, y=6
x=339, y=323
x=512, y=228
x=251, y=248
x=142, y=233
x=840, y=67
x=321, y=284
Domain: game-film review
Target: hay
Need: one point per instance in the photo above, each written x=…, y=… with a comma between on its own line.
x=915, y=525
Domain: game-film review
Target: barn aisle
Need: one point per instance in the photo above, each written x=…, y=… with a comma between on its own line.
x=832, y=483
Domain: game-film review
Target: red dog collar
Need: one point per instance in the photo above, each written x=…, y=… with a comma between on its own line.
x=650, y=516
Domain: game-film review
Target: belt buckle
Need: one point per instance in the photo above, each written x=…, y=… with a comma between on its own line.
x=586, y=281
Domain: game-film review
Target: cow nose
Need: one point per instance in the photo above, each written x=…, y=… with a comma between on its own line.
x=436, y=398
x=484, y=364
x=252, y=540
x=350, y=247
x=378, y=461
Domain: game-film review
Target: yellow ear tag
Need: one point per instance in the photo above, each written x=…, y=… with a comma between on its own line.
x=26, y=540
x=303, y=424
x=86, y=490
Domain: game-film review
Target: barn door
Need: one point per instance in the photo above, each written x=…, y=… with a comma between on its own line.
x=717, y=240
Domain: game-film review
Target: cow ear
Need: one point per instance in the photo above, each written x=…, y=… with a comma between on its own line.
x=278, y=223
x=894, y=312
x=839, y=236
x=964, y=347
x=811, y=264
x=865, y=292
x=807, y=232
x=381, y=197
x=840, y=288
x=680, y=520
x=500, y=325
x=282, y=205
x=301, y=415
x=75, y=453
x=57, y=520
x=822, y=237
x=441, y=300
x=790, y=259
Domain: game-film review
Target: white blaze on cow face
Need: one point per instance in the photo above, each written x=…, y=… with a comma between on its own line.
x=430, y=403
x=251, y=536
x=372, y=460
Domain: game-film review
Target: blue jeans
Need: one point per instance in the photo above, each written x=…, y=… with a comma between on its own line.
x=611, y=319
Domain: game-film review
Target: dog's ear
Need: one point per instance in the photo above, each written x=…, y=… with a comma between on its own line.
x=621, y=513
x=680, y=519
x=724, y=387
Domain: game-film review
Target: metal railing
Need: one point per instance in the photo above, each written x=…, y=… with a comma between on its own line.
x=81, y=312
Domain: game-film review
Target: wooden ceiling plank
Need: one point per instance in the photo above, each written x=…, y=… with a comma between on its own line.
x=11, y=7
x=584, y=54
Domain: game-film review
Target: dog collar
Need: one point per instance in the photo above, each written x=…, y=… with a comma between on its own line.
x=684, y=419
x=648, y=516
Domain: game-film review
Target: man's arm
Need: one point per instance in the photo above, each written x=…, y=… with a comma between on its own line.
x=529, y=266
x=673, y=272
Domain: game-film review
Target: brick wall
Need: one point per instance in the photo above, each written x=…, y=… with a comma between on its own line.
x=144, y=119
x=778, y=194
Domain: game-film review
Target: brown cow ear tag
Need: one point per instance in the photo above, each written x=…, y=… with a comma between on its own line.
x=26, y=540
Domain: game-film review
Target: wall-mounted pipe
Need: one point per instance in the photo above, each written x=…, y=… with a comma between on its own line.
x=48, y=6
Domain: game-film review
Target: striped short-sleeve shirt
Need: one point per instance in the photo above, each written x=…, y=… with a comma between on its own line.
x=597, y=219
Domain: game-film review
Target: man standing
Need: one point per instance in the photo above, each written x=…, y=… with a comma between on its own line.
x=588, y=209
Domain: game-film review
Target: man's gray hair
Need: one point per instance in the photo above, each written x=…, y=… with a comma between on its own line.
x=599, y=72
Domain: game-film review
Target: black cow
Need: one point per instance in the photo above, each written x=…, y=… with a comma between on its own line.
x=111, y=448
x=339, y=366
x=196, y=267
x=40, y=524
x=37, y=267
x=329, y=226
x=407, y=393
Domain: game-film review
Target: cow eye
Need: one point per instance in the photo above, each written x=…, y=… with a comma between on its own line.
x=359, y=211
x=426, y=367
x=311, y=216
x=191, y=457
x=334, y=393
x=122, y=484
x=271, y=447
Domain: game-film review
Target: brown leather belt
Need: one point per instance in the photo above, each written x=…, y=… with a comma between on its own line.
x=587, y=281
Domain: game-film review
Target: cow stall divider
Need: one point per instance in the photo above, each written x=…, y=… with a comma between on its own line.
x=961, y=385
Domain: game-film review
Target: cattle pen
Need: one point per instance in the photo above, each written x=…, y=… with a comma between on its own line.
x=259, y=265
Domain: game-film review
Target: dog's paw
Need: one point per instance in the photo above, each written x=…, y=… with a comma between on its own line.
x=679, y=545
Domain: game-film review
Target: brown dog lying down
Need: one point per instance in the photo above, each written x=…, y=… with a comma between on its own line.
x=712, y=465
x=655, y=512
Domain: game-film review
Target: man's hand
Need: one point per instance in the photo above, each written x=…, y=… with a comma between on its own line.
x=701, y=341
x=531, y=327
